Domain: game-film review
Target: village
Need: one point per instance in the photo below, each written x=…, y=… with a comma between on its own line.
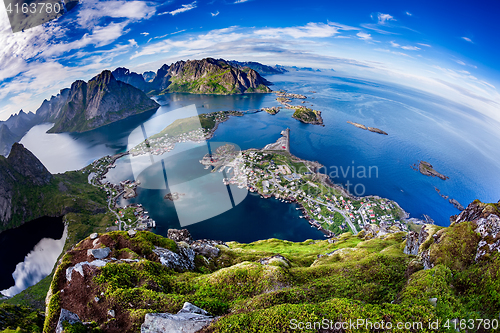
x=274, y=174
x=132, y=216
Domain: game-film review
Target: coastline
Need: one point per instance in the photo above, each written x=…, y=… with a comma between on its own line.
x=327, y=182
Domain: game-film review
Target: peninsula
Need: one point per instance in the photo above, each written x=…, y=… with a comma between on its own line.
x=274, y=172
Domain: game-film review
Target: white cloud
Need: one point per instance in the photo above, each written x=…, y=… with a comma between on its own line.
x=376, y=28
x=145, y=34
x=410, y=48
x=310, y=30
x=460, y=62
x=92, y=11
x=468, y=39
x=215, y=14
x=393, y=52
x=384, y=18
x=364, y=36
x=405, y=47
x=409, y=14
x=240, y=1
x=21, y=98
x=132, y=42
x=100, y=36
x=422, y=44
x=184, y=8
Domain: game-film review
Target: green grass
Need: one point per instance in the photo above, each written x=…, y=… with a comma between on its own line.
x=33, y=296
x=371, y=279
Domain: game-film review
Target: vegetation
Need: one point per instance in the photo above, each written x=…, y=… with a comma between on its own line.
x=307, y=115
x=14, y=318
x=66, y=192
x=210, y=76
x=340, y=280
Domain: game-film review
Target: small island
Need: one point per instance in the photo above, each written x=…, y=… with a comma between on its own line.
x=452, y=201
x=173, y=196
x=307, y=115
x=302, y=113
x=426, y=169
x=371, y=129
x=272, y=110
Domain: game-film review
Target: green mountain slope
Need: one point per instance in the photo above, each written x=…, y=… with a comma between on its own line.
x=425, y=278
x=208, y=76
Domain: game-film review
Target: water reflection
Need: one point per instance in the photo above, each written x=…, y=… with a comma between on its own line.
x=37, y=264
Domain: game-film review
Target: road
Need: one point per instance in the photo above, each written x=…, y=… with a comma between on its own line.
x=114, y=212
x=296, y=195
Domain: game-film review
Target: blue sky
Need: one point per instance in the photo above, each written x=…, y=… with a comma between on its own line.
x=444, y=47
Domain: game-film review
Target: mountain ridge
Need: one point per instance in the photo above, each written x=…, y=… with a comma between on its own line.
x=29, y=191
x=14, y=128
x=98, y=102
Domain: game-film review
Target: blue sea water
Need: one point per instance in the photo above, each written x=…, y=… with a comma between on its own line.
x=459, y=142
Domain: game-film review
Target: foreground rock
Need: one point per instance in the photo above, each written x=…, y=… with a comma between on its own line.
x=181, y=261
x=66, y=317
x=189, y=319
x=182, y=235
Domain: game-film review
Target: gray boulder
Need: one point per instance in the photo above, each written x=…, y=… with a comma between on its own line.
x=93, y=236
x=68, y=316
x=414, y=240
x=79, y=268
x=189, y=319
x=184, y=260
x=205, y=250
x=99, y=253
x=191, y=308
x=182, y=235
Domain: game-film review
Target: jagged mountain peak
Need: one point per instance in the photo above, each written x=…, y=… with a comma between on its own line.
x=24, y=162
x=101, y=101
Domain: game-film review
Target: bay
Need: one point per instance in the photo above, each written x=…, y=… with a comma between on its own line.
x=458, y=141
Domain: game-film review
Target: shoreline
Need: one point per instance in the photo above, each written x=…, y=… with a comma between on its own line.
x=327, y=182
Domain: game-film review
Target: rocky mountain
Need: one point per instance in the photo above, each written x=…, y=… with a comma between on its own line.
x=22, y=122
x=132, y=78
x=7, y=139
x=20, y=171
x=51, y=109
x=28, y=191
x=101, y=101
x=162, y=79
x=14, y=128
x=149, y=76
x=209, y=76
x=206, y=76
x=142, y=282
x=258, y=67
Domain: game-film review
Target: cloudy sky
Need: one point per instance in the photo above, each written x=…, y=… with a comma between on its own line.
x=449, y=48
